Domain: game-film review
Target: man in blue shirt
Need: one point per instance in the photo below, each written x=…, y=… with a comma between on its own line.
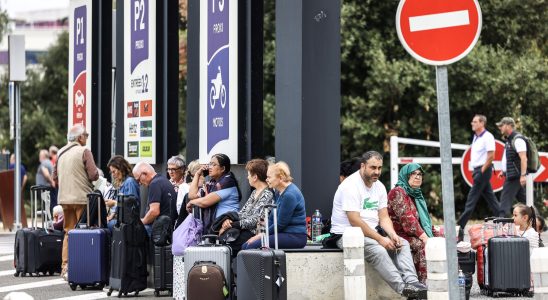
x=161, y=195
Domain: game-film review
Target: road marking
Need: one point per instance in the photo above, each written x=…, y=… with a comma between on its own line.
x=99, y=295
x=6, y=273
x=437, y=21
x=31, y=285
x=6, y=258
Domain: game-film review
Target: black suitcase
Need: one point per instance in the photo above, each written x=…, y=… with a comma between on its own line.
x=37, y=250
x=128, y=272
x=163, y=270
x=261, y=274
x=507, y=265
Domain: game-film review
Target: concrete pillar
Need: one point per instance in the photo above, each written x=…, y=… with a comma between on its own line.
x=436, y=264
x=539, y=270
x=354, y=264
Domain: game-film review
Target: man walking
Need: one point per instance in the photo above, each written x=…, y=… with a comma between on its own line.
x=74, y=172
x=482, y=153
x=514, y=165
x=361, y=201
x=161, y=195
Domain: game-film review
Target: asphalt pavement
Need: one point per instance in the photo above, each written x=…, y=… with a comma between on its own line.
x=53, y=287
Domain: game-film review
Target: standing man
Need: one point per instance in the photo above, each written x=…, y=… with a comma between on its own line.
x=74, y=172
x=161, y=195
x=514, y=165
x=361, y=201
x=482, y=153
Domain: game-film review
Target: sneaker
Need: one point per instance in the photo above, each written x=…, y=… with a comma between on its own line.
x=64, y=274
x=415, y=290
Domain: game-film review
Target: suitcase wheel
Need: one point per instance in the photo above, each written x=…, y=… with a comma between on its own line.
x=23, y=274
x=83, y=286
x=73, y=286
x=16, y=274
x=109, y=292
x=136, y=294
x=156, y=293
x=100, y=286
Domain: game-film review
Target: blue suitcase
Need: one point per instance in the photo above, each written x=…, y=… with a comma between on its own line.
x=89, y=252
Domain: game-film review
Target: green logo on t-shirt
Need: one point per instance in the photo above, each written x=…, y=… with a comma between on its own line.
x=369, y=204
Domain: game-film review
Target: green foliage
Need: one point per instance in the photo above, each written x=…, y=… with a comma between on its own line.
x=43, y=106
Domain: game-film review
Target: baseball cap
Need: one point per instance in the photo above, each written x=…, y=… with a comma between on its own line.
x=506, y=121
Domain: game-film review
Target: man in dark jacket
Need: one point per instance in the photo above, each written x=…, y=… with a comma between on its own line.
x=514, y=165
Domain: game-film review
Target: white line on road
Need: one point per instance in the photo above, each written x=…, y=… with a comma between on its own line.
x=6, y=258
x=6, y=273
x=437, y=21
x=31, y=285
x=99, y=295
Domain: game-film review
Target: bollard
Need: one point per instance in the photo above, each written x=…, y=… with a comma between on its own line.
x=539, y=270
x=436, y=264
x=354, y=264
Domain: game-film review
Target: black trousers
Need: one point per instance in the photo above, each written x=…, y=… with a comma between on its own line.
x=481, y=188
x=511, y=190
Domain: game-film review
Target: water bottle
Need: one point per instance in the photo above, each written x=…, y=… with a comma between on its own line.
x=462, y=286
x=317, y=225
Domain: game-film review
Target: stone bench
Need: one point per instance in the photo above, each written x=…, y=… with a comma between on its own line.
x=318, y=274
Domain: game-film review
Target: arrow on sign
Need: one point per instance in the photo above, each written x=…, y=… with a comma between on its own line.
x=543, y=175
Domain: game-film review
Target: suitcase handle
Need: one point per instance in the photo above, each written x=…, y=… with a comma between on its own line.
x=487, y=219
x=208, y=237
x=35, y=191
x=265, y=241
x=503, y=220
x=100, y=198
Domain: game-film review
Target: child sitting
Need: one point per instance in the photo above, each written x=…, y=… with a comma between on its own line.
x=58, y=217
x=525, y=218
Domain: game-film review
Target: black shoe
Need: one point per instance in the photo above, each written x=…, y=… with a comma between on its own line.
x=461, y=234
x=415, y=290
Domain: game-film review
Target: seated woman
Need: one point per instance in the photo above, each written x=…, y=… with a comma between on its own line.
x=409, y=214
x=122, y=179
x=253, y=210
x=291, y=216
x=222, y=193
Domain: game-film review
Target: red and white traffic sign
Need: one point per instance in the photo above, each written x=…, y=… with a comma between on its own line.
x=466, y=169
x=438, y=32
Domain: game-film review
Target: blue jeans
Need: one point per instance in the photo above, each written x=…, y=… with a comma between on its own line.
x=285, y=241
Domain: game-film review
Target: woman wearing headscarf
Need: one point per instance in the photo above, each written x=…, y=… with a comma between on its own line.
x=409, y=214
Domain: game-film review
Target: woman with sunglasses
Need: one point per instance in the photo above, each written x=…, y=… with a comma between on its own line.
x=409, y=214
x=123, y=182
x=222, y=193
x=176, y=170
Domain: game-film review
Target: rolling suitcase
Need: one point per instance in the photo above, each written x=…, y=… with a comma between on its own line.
x=88, y=251
x=128, y=272
x=163, y=270
x=37, y=250
x=480, y=253
x=507, y=267
x=208, y=258
x=261, y=273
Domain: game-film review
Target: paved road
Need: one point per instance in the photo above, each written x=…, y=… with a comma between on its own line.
x=53, y=287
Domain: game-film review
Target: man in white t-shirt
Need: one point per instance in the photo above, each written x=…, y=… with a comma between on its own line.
x=514, y=166
x=361, y=201
x=482, y=152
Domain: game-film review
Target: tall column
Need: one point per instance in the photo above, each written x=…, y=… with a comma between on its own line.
x=308, y=96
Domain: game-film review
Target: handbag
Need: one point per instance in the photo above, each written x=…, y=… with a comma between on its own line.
x=186, y=235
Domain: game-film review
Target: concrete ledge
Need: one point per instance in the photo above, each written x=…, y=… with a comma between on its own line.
x=320, y=276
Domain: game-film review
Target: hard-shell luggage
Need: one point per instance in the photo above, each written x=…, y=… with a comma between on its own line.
x=38, y=250
x=206, y=257
x=507, y=267
x=163, y=270
x=89, y=250
x=261, y=273
x=488, y=227
x=128, y=272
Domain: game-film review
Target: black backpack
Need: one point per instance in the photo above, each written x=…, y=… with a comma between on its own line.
x=162, y=231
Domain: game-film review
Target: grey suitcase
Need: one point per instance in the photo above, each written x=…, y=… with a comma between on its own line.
x=208, y=252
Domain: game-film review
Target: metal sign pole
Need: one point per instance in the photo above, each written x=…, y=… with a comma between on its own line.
x=447, y=180
x=17, y=91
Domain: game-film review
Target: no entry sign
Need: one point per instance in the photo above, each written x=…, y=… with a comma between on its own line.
x=438, y=32
x=466, y=169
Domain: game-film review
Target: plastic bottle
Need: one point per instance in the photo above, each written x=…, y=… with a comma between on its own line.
x=317, y=225
x=462, y=286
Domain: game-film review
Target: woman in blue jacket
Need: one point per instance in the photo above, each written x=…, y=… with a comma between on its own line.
x=123, y=182
x=291, y=217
